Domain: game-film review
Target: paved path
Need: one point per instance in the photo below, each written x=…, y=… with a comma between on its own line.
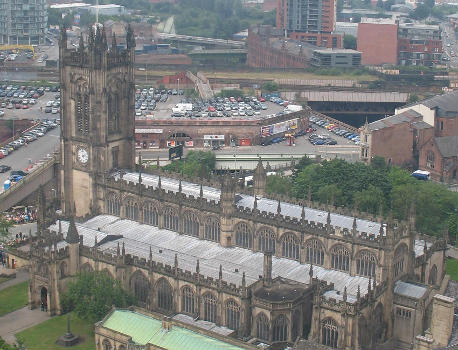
x=18, y=320
x=21, y=276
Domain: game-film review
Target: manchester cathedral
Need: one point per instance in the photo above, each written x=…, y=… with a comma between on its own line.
x=268, y=271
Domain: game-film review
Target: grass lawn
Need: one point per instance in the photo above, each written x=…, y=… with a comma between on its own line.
x=13, y=298
x=451, y=268
x=45, y=334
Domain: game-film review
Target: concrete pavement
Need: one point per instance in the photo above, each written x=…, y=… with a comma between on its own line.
x=18, y=320
x=21, y=276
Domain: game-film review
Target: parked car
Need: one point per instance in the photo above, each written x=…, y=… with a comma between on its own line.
x=4, y=168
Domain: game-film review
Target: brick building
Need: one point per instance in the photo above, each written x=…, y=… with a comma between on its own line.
x=395, y=138
x=439, y=157
x=419, y=44
x=422, y=135
x=168, y=132
x=378, y=41
x=267, y=48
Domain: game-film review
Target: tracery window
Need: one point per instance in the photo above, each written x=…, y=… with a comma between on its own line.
x=113, y=205
x=212, y=229
x=290, y=246
x=187, y=300
x=280, y=329
x=314, y=252
x=150, y=214
x=191, y=224
x=329, y=333
x=266, y=240
x=399, y=256
x=232, y=315
x=164, y=295
x=243, y=235
x=365, y=264
x=113, y=110
x=262, y=327
x=171, y=219
x=131, y=210
x=82, y=113
x=340, y=258
x=139, y=284
x=210, y=303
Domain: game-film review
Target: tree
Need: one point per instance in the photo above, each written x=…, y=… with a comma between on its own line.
x=93, y=294
x=421, y=12
x=349, y=42
x=270, y=86
x=370, y=199
x=4, y=226
x=196, y=163
x=278, y=184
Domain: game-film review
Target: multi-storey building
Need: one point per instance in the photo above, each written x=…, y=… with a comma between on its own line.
x=23, y=22
x=271, y=270
x=313, y=21
x=419, y=44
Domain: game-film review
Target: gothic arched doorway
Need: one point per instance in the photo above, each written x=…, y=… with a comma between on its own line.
x=44, y=299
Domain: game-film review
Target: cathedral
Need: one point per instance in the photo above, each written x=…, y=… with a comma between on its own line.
x=269, y=270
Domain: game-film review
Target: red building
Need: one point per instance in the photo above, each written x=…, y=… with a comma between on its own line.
x=378, y=42
x=267, y=48
x=419, y=44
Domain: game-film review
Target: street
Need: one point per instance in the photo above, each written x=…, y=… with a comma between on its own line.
x=450, y=47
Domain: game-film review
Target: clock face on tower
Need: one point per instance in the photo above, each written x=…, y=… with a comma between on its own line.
x=82, y=155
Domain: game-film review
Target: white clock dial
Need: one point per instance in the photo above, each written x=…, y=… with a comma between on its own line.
x=82, y=155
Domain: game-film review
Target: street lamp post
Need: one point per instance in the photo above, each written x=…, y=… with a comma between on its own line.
x=178, y=88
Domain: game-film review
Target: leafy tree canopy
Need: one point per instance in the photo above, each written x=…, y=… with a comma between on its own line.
x=372, y=188
x=93, y=294
x=349, y=42
x=196, y=163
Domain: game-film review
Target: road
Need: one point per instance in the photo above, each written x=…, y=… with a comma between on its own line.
x=450, y=47
x=35, y=151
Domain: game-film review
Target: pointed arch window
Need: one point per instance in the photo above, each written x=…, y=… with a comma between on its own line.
x=164, y=295
x=212, y=229
x=82, y=113
x=150, y=214
x=314, y=252
x=280, y=329
x=113, y=205
x=329, y=333
x=232, y=315
x=340, y=258
x=131, y=210
x=262, y=327
x=113, y=110
x=191, y=224
x=210, y=303
x=266, y=240
x=243, y=235
x=171, y=219
x=139, y=284
x=290, y=246
x=365, y=264
x=187, y=300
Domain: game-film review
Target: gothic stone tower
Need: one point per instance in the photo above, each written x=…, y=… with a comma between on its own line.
x=97, y=135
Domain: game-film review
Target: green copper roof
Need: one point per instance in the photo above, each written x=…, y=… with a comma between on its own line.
x=144, y=329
